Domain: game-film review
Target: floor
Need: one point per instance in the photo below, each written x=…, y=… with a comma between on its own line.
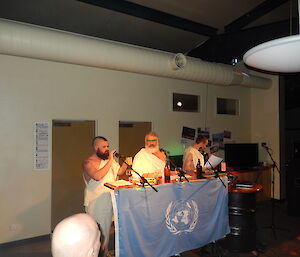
x=281, y=239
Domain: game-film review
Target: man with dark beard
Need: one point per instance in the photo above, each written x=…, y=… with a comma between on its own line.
x=98, y=169
x=150, y=161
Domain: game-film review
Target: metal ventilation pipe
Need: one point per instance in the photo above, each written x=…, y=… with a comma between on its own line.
x=20, y=39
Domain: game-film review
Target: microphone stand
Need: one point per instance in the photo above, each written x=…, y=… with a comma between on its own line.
x=216, y=173
x=272, y=226
x=180, y=171
x=143, y=179
x=232, y=178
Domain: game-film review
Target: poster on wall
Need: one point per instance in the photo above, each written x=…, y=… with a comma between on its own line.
x=203, y=132
x=227, y=134
x=41, y=146
x=188, y=136
x=214, y=148
x=218, y=140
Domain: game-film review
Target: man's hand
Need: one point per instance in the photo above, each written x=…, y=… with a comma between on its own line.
x=111, y=154
x=206, y=171
x=128, y=161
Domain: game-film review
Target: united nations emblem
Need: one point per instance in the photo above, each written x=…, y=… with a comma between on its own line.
x=181, y=216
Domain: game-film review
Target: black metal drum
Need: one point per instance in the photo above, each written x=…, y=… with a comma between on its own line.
x=242, y=221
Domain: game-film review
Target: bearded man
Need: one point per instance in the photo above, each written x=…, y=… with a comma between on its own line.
x=99, y=169
x=150, y=161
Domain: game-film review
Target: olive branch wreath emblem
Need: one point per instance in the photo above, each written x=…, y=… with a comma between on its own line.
x=192, y=225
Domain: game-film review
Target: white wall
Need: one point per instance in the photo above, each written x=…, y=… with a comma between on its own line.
x=265, y=125
x=34, y=90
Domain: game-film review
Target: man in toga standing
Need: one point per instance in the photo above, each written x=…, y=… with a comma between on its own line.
x=98, y=169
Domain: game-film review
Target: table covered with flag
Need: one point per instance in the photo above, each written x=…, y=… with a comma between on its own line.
x=179, y=217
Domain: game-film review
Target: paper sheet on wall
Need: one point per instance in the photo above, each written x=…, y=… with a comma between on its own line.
x=41, y=146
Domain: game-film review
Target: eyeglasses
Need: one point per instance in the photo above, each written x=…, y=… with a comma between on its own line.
x=153, y=140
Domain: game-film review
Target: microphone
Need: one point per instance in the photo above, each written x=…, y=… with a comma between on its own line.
x=117, y=155
x=165, y=151
x=265, y=146
x=205, y=156
x=180, y=170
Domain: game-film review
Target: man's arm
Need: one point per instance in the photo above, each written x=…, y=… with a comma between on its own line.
x=93, y=172
x=122, y=169
x=188, y=164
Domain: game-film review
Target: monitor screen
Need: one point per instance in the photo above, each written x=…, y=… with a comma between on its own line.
x=241, y=155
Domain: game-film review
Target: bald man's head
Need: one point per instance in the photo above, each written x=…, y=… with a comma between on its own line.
x=101, y=147
x=76, y=236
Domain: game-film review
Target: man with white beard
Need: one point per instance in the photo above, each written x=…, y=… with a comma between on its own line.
x=150, y=161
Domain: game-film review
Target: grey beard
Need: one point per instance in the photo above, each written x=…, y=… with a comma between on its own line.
x=151, y=149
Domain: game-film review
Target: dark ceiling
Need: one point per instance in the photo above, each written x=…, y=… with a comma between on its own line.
x=212, y=30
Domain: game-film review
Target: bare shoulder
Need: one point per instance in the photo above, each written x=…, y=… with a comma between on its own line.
x=189, y=155
x=161, y=155
x=90, y=162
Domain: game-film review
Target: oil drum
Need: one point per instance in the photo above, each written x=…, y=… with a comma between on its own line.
x=242, y=221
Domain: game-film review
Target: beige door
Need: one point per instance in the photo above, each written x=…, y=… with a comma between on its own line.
x=71, y=144
x=131, y=138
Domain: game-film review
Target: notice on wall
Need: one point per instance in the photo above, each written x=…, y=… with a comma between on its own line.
x=187, y=136
x=41, y=146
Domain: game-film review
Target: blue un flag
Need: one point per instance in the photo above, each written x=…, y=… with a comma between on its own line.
x=177, y=218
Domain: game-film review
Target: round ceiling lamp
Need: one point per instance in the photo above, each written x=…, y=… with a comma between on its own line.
x=279, y=55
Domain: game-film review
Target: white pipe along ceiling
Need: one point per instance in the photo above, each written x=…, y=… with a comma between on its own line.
x=20, y=39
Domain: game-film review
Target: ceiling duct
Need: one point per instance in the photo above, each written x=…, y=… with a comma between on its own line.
x=20, y=39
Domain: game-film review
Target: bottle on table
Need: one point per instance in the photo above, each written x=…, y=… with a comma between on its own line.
x=223, y=167
x=167, y=172
x=199, y=169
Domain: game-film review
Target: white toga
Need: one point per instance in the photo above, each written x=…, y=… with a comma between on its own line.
x=97, y=200
x=95, y=188
x=145, y=162
x=196, y=155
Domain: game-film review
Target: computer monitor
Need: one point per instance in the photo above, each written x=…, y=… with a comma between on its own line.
x=241, y=155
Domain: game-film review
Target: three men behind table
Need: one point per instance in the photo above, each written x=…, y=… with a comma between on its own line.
x=101, y=167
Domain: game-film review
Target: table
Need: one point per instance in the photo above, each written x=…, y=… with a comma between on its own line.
x=179, y=217
x=260, y=176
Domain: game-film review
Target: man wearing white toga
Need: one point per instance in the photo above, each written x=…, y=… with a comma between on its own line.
x=98, y=169
x=150, y=161
x=192, y=155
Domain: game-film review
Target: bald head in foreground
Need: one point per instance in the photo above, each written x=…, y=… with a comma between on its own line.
x=76, y=236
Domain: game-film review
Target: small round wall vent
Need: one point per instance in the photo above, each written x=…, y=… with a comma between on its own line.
x=178, y=61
